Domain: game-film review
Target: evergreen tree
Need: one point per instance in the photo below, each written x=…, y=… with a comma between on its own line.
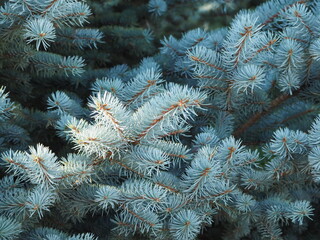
x=219, y=131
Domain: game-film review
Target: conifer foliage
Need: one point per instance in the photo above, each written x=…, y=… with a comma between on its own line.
x=39, y=24
x=219, y=130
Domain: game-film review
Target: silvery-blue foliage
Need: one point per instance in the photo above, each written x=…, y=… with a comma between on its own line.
x=161, y=160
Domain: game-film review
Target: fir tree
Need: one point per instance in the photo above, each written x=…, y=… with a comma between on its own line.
x=219, y=130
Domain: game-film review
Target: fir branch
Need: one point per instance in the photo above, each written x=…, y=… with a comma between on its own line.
x=255, y=118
